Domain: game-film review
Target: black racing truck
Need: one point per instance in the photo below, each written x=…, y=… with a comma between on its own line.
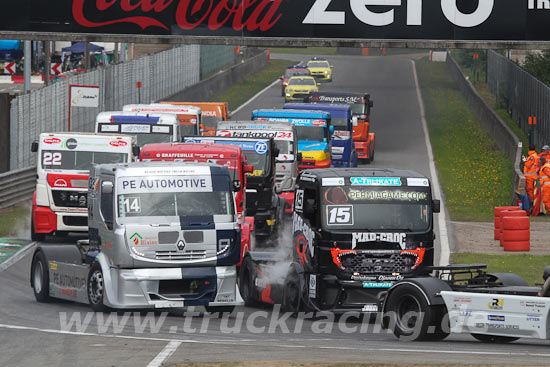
x=356, y=232
x=262, y=201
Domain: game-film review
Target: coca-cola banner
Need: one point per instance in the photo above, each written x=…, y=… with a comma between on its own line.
x=496, y=20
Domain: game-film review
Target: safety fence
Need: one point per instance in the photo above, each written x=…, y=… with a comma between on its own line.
x=47, y=109
x=214, y=58
x=16, y=186
x=522, y=94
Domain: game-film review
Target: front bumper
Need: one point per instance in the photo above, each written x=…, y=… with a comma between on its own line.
x=172, y=287
x=47, y=221
x=305, y=164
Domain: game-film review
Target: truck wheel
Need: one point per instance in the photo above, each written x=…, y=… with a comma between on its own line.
x=246, y=283
x=411, y=317
x=96, y=288
x=495, y=339
x=292, y=293
x=40, y=278
x=220, y=309
x=37, y=237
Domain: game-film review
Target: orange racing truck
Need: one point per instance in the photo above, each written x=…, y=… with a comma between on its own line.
x=212, y=113
x=230, y=156
x=361, y=105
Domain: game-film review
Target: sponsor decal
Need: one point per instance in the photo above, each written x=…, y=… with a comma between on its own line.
x=69, y=292
x=256, y=173
x=387, y=195
x=308, y=177
x=465, y=313
x=417, y=253
x=532, y=304
x=375, y=181
x=488, y=325
x=136, y=238
x=71, y=143
x=462, y=300
x=378, y=237
x=53, y=266
x=318, y=123
x=312, y=286
x=68, y=281
x=305, y=237
x=496, y=304
x=224, y=133
x=225, y=298
x=210, y=113
x=260, y=147
x=370, y=308
x=377, y=284
x=496, y=318
x=299, y=201
x=52, y=141
x=380, y=278
x=118, y=143
x=60, y=183
x=333, y=181
x=533, y=318
x=165, y=184
x=338, y=254
x=423, y=182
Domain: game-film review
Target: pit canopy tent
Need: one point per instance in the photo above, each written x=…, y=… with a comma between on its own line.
x=80, y=48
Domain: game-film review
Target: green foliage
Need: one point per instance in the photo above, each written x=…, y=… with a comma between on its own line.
x=538, y=65
x=475, y=175
x=529, y=267
x=11, y=220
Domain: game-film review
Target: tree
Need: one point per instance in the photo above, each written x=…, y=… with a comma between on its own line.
x=538, y=65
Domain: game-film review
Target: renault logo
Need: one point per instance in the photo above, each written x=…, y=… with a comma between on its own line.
x=180, y=245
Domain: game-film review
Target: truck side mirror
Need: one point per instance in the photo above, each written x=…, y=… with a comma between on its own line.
x=299, y=156
x=34, y=146
x=371, y=103
x=436, y=206
x=136, y=150
x=236, y=185
x=248, y=168
x=106, y=187
x=331, y=129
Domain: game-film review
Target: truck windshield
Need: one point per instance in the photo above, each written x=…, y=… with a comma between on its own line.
x=187, y=130
x=145, y=133
x=358, y=108
x=78, y=160
x=370, y=208
x=311, y=133
x=175, y=204
x=340, y=123
x=259, y=161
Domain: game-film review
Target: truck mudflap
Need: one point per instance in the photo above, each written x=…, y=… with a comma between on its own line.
x=497, y=314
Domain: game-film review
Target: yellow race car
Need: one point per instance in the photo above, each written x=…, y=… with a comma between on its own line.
x=299, y=87
x=320, y=68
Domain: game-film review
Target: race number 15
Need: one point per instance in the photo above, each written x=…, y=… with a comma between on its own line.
x=340, y=214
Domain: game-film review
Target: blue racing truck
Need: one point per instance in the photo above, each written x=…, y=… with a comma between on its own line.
x=313, y=130
x=343, y=151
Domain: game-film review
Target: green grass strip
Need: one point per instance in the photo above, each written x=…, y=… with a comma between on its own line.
x=475, y=175
x=529, y=267
x=252, y=84
x=11, y=219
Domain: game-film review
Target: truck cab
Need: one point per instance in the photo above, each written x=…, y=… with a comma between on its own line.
x=59, y=203
x=161, y=235
x=189, y=117
x=284, y=136
x=313, y=131
x=262, y=201
x=225, y=155
x=343, y=148
x=148, y=127
x=212, y=113
x=361, y=105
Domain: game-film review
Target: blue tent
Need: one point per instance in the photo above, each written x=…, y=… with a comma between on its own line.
x=10, y=45
x=80, y=48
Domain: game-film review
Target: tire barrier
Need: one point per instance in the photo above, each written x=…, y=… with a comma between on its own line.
x=498, y=217
x=515, y=234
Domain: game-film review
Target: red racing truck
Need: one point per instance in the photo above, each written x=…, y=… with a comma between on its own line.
x=361, y=105
x=230, y=156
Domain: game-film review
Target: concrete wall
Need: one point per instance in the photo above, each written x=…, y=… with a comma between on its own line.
x=219, y=82
x=5, y=129
x=506, y=140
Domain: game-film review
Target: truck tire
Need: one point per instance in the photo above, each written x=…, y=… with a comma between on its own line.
x=412, y=318
x=246, y=283
x=37, y=237
x=292, y=293
x=96, y=288
x=40, y=277
x=495, y=339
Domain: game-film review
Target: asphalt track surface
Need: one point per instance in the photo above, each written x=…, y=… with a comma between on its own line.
x=31, y=333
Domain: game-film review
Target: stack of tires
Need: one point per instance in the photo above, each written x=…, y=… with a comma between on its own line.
x=515, y=231
x=499, y=210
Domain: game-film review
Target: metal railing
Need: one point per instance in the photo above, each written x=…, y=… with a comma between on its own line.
x=17, y=186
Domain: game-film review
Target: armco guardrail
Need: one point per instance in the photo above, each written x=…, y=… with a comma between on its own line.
x=505, y=138
x=17, y=186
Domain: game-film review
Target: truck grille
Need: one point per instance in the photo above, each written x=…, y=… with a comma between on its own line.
x=75, y=221
x=180, y=256
x=372, y=262
x=300, y=95
x=70, y=199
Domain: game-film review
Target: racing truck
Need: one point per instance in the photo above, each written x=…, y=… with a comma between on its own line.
x=188, y=116
x=148, y=127
x=361, y=105
x=59, y=203
x=284, y=136
x=230, y=156
x=313, y=132
x=161, y=235
x=343, y=151
x=356, y=232
x=262, y=202
x=212, y=113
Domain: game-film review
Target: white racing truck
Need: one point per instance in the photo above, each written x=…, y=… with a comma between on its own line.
x=284, y=136
x=59, y=203
x=161, y=235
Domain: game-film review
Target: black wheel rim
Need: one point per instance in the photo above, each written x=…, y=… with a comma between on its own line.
x=408, y=312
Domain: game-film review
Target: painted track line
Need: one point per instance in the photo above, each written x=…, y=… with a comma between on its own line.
x=18, y=256
x=255, y=96
x=238, y=342
x=164, y=354
x=445, y=253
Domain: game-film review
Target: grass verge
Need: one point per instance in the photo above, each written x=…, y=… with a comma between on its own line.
x=475, y=175
x=529, y=267
x=252, y=84
x=11, y=219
